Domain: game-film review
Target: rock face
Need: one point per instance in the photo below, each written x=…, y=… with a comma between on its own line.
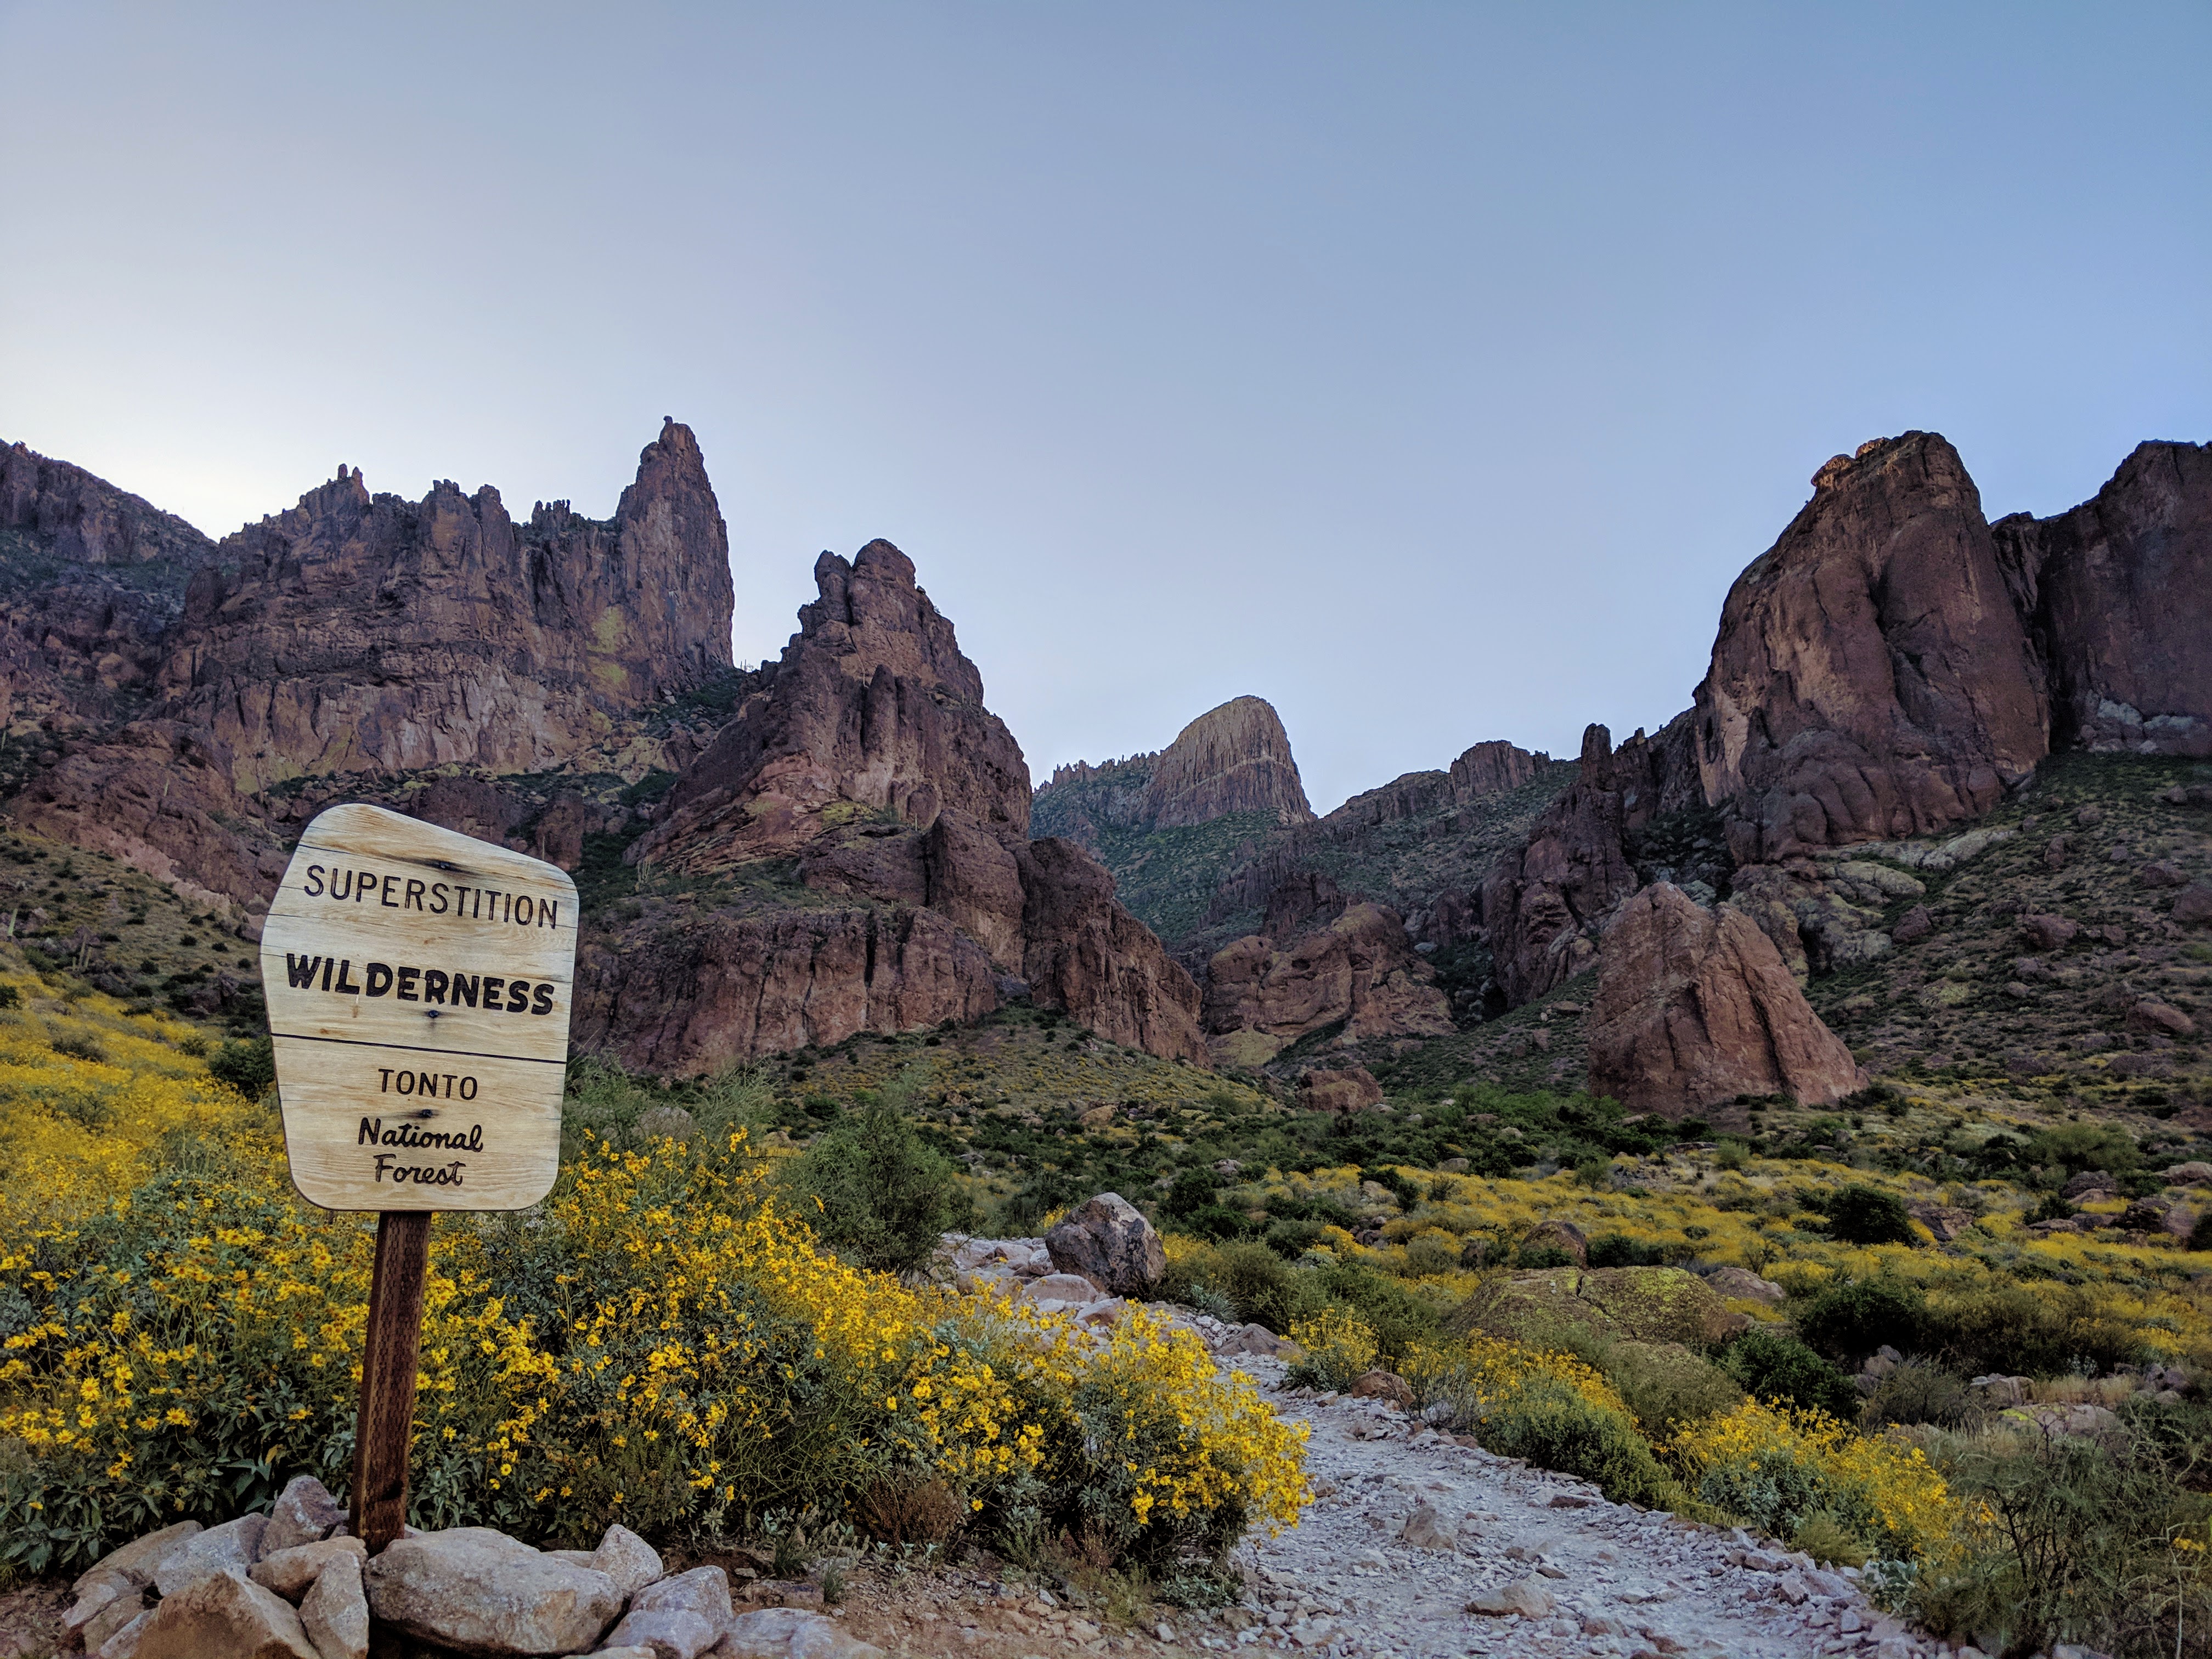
x=1694, y=1008
x=1323, y=960
x=2118, y=596
x=872, y=710
x=867, y=756
x=484, y=642
x=93, y=579
x=1542, y=904
x=1871, y=677
x=1348, y=1089
x=1236, y=758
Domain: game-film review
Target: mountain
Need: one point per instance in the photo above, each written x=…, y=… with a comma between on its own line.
x=852, y=855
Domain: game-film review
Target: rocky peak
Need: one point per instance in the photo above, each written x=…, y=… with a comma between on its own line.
x=870, y=614
x=370, y=634
x=72, y=515
x=1236, y=758
x=1870, y=677
x=872, y=709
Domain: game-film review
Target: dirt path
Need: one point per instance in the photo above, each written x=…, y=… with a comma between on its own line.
x=1347, y=1582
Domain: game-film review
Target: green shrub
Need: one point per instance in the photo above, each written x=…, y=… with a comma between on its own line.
x=1291, y=1239
x=1768, y=1366
x=2078, y=1549
x=1428, y=1255
x=249, y=1067
x=1532, y=1258
x=2200, y=1235
x=1397, y=1317
x=1851, y=1318
x=1668, y=1387
x=1919, y=1391
x=2077, y=1148
x=1259, y=1285
x=1870, y=1215
x=1552, y=1425
x=1620, y=1250
x=2041, y=1330
x=880, y=1197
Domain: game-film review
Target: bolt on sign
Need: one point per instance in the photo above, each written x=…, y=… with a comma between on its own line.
x=419, y=984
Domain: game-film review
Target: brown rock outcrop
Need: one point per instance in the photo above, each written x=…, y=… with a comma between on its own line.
x=867, y=751
x=1236, y=758
x=1264, y=993
x=1542, y=903
x=1084, y=953
x=1339, y=1089
x=872, y=710
x=92, y=579
x=1871, y=677
x=2118, y=594
x=1695, y=1008
x=361, y=633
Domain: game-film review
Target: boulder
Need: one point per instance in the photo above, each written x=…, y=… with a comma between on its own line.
x=2192, y=905
x=2048, y=932
x=1558, y=1236
x=220, y=1615
x=1344, y=1089
x=1108, y=1241
x=1424, y=1530
x=792, y=1633
x=1740, y=1284
x=1943, y=1221
x=1913, y=925
x=233, y=1545
x=627, y=1560
x=304, y=1512
x=335, y=1611
x=702, y=1590
x=1695, y=1008
x=1386, y=1386
x=2192, y=1174
x=483, y=1593
x=1526, y=1598
x=291, y=1572
x=2089, y=1183
x=676, y=1633
x=2149, y=1014
x=138, y=1560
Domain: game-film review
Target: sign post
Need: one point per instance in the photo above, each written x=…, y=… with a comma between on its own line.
x=419, y=985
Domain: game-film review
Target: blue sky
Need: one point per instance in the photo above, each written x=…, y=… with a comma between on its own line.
x=1429, y=370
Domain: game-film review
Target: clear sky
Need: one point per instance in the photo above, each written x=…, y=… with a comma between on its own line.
x=1429, y=370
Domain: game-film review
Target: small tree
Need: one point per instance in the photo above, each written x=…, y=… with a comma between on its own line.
x=248, y=1067
x=1869, y=1215
x=881, y=1196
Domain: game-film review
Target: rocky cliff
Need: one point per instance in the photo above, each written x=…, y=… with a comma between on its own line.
x=873, y=709
x=1236, y=758
x=92, y=578
x=856, y=849
x=370, y=634
x=356, y=639
x=2117, y=596
x=1871, y=677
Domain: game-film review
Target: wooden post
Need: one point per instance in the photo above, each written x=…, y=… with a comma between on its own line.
x=386, y=1428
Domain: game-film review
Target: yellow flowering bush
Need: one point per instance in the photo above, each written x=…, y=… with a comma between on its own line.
x=1550, y=1409
x=1340, y=1348
x=1778, y=1466
x=660, y=1343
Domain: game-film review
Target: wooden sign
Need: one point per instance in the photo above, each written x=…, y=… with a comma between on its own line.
x=419, y=985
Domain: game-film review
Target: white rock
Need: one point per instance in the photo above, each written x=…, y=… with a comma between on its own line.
x=1529, y=1597
x=1425, y=1529
x=472, y=1588
x=234, y=1543
x=336, y=1610
x=304, y=1512
x=790, y=1633
x=673, y=1635
x=292, y=1573
x=703, y=1590
x=141, y=1557
x=124, y=1644
x=627, y=1560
